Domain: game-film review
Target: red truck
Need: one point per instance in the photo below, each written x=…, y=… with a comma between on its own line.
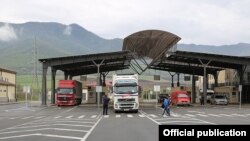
x=180, y=98
x=69, y=92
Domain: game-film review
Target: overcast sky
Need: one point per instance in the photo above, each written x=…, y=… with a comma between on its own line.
x=213, y=22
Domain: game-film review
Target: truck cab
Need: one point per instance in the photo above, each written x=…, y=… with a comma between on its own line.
x=180, y=98
x=125, y=93
x=69, y=92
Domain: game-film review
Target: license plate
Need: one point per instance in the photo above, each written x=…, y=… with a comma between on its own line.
x=126, y=109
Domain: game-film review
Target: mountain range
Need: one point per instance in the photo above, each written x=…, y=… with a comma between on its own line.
x=18, y=42
x=240, y=49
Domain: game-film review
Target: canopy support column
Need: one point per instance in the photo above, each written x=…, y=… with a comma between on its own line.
x=53, y=79
x=98, y=79
x=205, y=79
x=44, y=85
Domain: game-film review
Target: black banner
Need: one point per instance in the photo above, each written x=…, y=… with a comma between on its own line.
x=203, y=132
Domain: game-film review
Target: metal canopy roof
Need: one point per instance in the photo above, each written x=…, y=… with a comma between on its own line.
x=180, y=67
x=192, y=62
x=150, y=43
x=221, y=61
x=148, y=46
x=85, y=64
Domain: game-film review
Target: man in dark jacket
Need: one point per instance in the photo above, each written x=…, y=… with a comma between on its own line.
x=202, y=100
x=105, y=102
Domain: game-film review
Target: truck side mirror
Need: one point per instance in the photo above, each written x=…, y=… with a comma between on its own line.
x=57, y=90
x=112, y=89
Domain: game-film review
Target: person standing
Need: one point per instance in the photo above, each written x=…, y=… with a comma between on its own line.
x=166, y=104
x=105, y=102
x=202, y=100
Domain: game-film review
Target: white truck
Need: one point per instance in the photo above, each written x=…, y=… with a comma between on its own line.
x=125, y=92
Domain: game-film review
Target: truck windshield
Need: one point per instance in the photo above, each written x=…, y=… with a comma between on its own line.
x=182, y=95
x=125, y=89
x=65, y=91
x=220, y=97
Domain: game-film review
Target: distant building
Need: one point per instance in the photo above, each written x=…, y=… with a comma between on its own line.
x=7, y=85
x=228, y=82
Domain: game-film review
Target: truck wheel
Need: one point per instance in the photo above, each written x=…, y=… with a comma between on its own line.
x=79, y=101
x=76, y=102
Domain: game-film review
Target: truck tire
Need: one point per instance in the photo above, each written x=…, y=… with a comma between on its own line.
x=78, y=101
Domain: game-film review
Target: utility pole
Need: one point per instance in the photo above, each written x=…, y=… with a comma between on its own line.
x=35, y=75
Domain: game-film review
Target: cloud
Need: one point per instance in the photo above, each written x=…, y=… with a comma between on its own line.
x=67, y=31
x=195, y=21
x=7, y=33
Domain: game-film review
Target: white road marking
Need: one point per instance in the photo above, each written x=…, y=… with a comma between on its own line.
x=239, y=115
x=18, y=136
x=65, y=137
x=142, y=112
x=58, y=136
x=47, y=135
x=173, y=118
x=106, y=116
x=69, y=116
x=21, y=108
x=196, y=112
x=226, y=115
x=86, y=135
x=63, y=129
x=57, y=117
x=199, y=120
x=27, y=117
x=190, y=115
x=47, y=122
x=141, y=115
x=202, y=115
x=60, y=129
x=189, y=121
x=175, y=115
x=93, y=116
x=152, y=115
x=50, y=125
x=39, y=117
x=71, y=109
x=117, y=116
x=184, y=118
x=130, y=116
x=82, y=116
x=63, y=120
x=214, y=115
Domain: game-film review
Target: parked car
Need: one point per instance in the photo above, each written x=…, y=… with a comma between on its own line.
x=219, y=99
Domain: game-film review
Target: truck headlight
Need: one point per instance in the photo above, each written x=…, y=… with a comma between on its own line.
x=136, y=105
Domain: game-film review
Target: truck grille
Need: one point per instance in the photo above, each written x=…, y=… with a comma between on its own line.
x=126, y=105
x=124, y=100
x=64, y=98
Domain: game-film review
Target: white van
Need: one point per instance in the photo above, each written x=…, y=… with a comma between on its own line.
x=219, y=99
